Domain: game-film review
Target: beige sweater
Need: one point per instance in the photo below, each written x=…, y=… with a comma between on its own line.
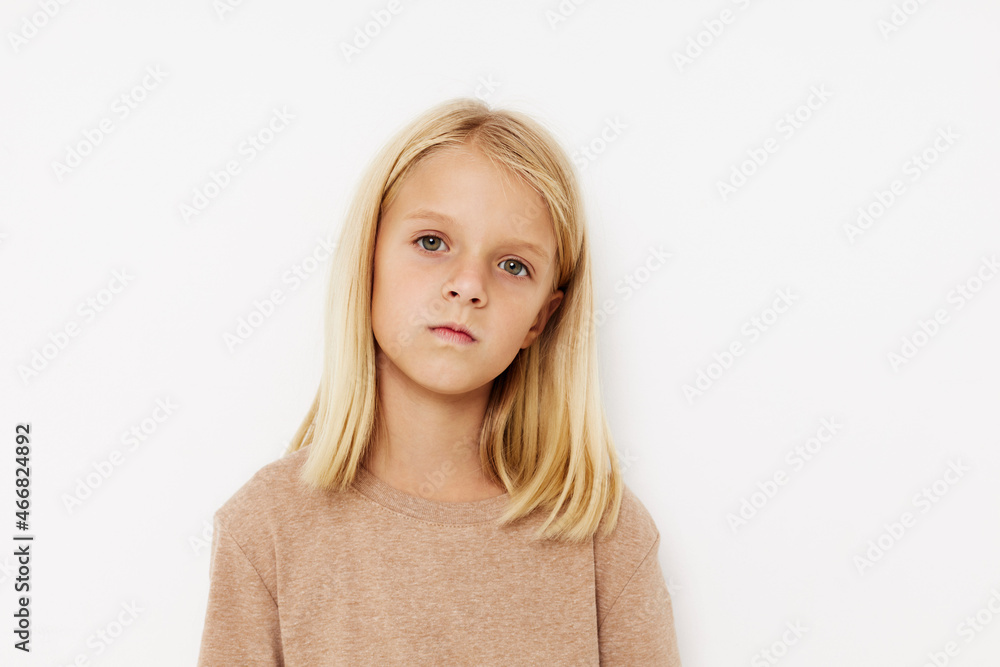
x=375, y=576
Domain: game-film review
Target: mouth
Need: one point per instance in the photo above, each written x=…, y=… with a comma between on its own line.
x=453, y=332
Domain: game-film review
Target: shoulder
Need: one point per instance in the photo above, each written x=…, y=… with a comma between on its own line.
x=618, y=555
x=634, y=533
x=253, y=511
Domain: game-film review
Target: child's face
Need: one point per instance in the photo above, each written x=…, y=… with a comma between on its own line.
x=474, y=270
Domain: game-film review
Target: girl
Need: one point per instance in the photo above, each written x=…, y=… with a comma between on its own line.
x=453, y=496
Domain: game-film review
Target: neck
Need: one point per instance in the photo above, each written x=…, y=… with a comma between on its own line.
x=427, y=444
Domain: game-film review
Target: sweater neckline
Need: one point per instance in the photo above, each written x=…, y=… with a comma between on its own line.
x=437, y=511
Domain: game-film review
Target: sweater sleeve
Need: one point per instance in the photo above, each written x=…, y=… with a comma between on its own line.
x=638, y=630
x=241, y=621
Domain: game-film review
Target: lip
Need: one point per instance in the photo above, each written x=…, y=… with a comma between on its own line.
x=454, y=332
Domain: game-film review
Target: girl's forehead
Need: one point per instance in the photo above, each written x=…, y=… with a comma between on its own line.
x=463, y=180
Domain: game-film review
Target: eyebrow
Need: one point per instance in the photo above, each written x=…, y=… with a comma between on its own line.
x=447, y=219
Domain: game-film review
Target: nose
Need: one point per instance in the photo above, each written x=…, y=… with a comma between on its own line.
x=466, y=286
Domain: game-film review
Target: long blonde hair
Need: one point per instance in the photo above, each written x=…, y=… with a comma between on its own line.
x=545, y=435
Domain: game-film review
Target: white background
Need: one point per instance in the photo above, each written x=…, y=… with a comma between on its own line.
x=141, y=537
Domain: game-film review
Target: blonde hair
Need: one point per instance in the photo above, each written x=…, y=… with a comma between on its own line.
x=545, y=435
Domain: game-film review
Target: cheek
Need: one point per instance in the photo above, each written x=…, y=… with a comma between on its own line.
x=513, y=326
x=399, y=298
x=385, y=294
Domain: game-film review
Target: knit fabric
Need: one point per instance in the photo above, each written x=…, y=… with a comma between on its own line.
x=375, y=576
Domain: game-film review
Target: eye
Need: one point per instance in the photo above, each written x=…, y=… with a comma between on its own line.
x=428, y=237
x=521, y=264
x=437, y=243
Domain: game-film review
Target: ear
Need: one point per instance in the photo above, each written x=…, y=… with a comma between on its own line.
x=538, y=326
